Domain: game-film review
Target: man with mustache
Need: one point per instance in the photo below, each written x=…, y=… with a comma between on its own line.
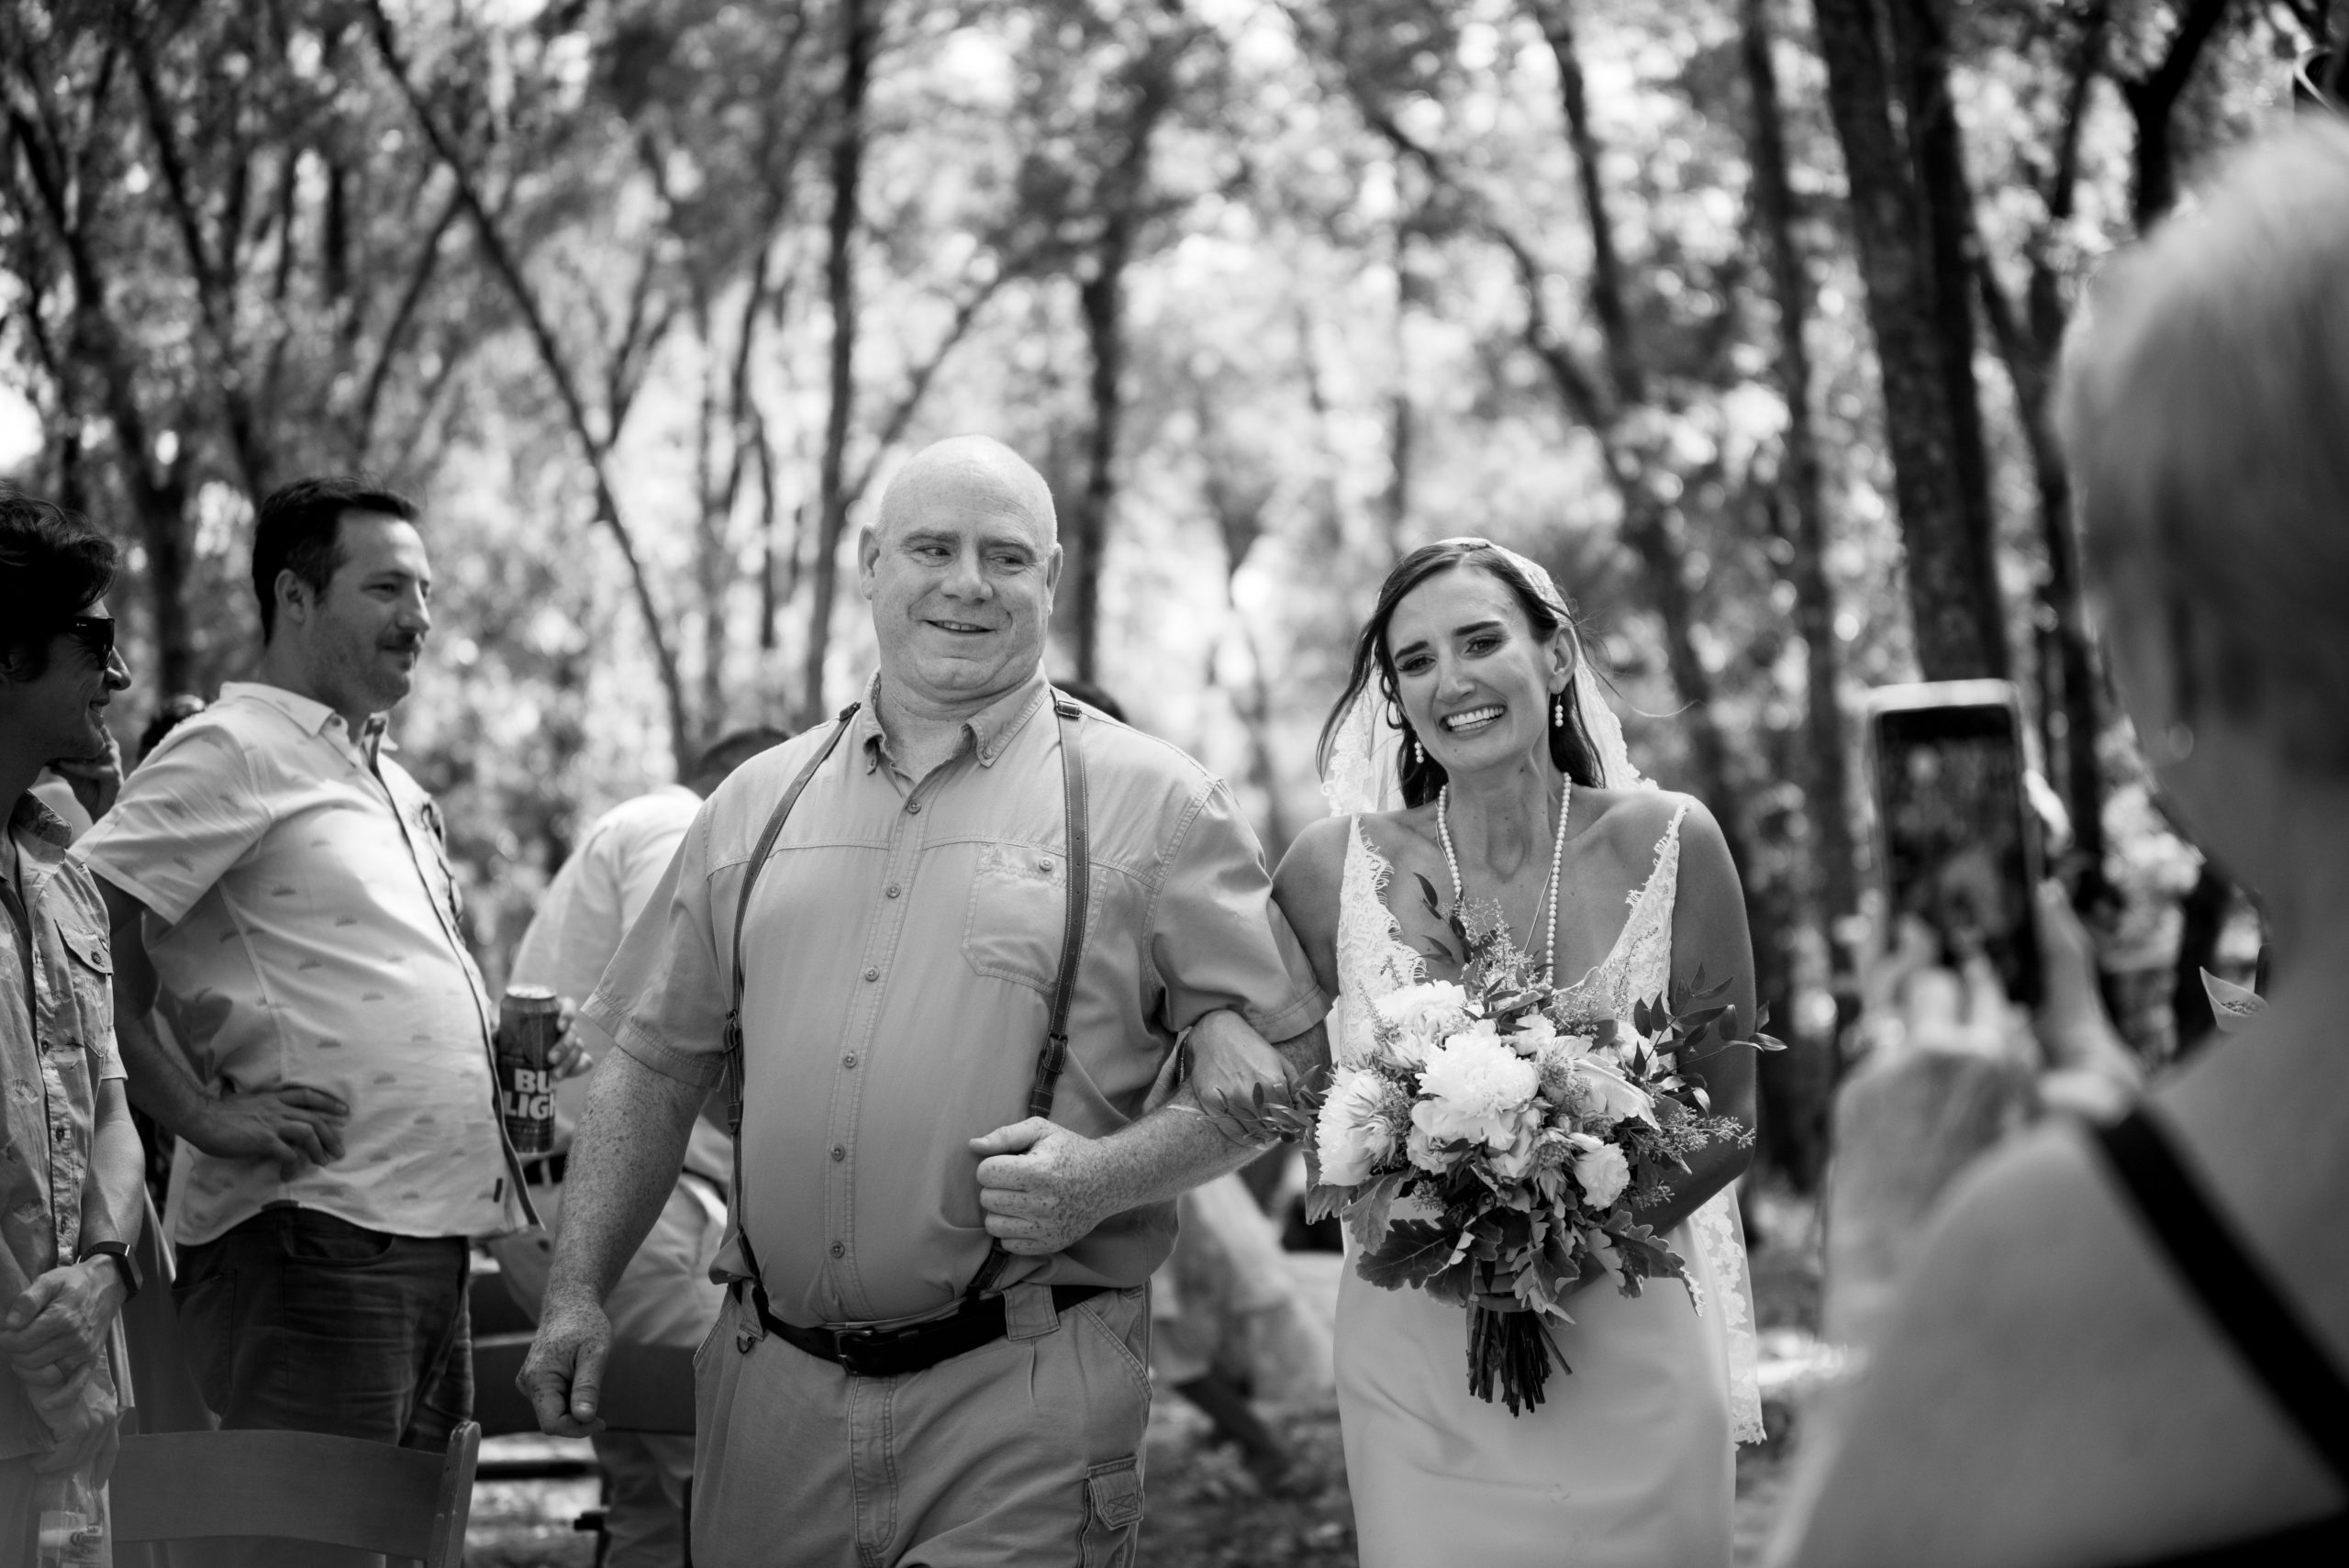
x=279, y=889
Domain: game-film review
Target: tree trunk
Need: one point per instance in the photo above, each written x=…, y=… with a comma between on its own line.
x=1953, y=595
x=859, y=38
x=1650, y=525
x=1101, y=302
x=2153, y=99
x=1805, y=1073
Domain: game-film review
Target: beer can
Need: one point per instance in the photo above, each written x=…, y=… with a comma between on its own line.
x=528, y=1024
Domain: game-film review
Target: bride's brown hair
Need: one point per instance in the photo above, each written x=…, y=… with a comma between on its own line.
x=1420, y=774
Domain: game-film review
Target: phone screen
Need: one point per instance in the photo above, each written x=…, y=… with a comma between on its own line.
x=1958, y=853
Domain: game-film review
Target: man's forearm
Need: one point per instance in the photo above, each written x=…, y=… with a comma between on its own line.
x=161, y=1083
x=1173, y=1148
x=111, y=1205
x=623, y=1165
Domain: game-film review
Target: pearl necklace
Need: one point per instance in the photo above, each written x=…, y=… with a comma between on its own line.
x=1557, y=859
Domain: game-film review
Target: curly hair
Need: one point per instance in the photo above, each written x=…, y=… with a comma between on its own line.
x=53, y=566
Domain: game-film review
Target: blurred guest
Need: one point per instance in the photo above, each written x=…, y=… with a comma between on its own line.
x=2125, y=1343
x=69, y=1159
x=666, y=1297
x=278, y=887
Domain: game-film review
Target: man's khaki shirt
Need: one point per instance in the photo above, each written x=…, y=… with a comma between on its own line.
x=900, y=958
x=56, y=1047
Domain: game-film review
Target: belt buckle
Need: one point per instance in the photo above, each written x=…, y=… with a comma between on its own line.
x=846, y=1345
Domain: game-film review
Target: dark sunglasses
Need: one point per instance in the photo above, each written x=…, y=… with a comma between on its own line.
x=92, y=632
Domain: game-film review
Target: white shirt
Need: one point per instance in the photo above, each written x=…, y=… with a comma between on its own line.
x=304, y=929
x=590, y=906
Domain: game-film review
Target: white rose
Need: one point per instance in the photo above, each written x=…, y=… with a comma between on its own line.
x=1477, y=1090
x=1422, y=1015
x=1603, y=1173
x=1515, y=1162
x=1355, y=1130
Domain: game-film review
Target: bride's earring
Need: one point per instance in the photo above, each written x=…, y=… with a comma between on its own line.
x=1418, y=757
x=1558, y=710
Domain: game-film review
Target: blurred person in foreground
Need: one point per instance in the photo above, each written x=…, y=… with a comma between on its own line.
x=935, y=1345
x=666, y=1295
x=2125, y=1343
x=279, y=889
x=69, y=1157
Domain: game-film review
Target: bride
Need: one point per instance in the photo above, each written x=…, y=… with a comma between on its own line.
x=1472, y=748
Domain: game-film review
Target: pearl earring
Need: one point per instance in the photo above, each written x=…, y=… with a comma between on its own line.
x=1558, y=710
x=1418, y=756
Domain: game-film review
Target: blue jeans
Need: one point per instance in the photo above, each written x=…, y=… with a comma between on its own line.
x=295, y=1320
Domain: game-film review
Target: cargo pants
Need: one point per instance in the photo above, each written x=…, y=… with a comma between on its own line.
x=1027, y=1451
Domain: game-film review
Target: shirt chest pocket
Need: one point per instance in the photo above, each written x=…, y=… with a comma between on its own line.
x=1016, y=915
x=87, y=1004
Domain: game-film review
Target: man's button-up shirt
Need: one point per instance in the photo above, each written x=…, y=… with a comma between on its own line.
x=898, y=958
x=304, y=929
x=56, y=1046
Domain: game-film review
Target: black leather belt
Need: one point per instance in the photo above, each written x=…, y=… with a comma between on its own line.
x=891, y=1352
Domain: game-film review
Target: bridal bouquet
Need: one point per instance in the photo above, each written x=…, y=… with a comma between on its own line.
x=1519, y=1145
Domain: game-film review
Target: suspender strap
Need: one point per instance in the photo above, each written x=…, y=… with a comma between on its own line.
x=1054, y=1057
x=1050, y=1061
x=732, y=1054
x=2233, y=1285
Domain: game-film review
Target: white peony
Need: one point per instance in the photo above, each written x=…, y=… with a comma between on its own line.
x=1355, y=1130
x=1602, y=1171
x=1477, y=1090
x=1422, y=1015
x=1534, y=1035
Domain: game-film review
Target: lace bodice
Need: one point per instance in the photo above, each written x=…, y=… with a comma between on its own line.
x=1373, y=961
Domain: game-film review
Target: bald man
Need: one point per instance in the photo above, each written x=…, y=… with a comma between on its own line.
x=934, y=1347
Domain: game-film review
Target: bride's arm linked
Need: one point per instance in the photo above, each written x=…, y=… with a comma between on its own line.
x=1228, y=1058
x=1708, y=934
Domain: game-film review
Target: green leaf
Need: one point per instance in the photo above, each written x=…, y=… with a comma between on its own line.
x=1367, y=1215
x=1412, y=1254
x=1426, y=895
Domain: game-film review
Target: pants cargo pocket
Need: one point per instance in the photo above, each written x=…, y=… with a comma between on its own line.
x=1112, y=1514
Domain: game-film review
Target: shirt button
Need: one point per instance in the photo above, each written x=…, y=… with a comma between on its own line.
x=872, y=974
x=848, y=1060
x=893, y=890
x=839, y=1249
x=913, y=809
x=1044, y=866
x=838, y=1154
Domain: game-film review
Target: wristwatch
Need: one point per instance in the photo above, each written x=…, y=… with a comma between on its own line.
x=120, y=1255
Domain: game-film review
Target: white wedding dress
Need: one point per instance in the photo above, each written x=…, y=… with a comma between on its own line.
x=1630, y=1459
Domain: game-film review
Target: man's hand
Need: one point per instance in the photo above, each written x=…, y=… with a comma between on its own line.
x=83, y=1418
x=291, y=1124
x=1228, y=1062
x=61, y=1319
x=562, y=1377
x=1041, y=1185
x=96, y=781
x=567, y=1058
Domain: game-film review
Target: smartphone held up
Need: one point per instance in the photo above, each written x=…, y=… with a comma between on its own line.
x=1957, y=845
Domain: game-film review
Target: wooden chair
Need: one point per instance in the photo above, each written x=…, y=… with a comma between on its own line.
x=306, y=1486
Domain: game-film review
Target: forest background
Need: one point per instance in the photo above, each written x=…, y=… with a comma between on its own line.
x=1741, y=315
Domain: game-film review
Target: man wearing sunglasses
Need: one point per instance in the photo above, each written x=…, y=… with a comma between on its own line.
x=70, y=1165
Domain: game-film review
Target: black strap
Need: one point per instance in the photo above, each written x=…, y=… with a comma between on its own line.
x=1050, y=1061
x=1054, y=1057
x=2233, y=1285
x=731, y=1056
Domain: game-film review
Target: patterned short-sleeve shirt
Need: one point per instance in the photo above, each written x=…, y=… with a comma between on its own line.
x=304, y=928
